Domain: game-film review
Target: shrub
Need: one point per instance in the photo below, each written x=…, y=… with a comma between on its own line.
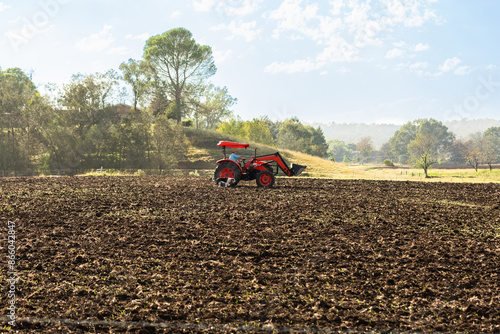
x=187, y=123
x=388, y=162
x=195, y=173
x=140, y=172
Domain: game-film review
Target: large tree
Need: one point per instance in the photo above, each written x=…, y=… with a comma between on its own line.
x=365, y=147
x=423, y=151
x=256, y=130
x=83, y=135
x=457, y=153
x=490, y=151
x=19, y=102
x=212, y=106
x=408, y=132
x=89, y=99
x=169, y=143
x=337, y=150
x=178, y=61
x=474, y=150
x=138, y=75
x=385, y=152
x=491, y=138
x=296, y=136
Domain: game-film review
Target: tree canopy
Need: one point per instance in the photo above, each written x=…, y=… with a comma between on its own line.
x=296, y=136
x=255, y=130
x=408, y=132
x=423, y=151
x=138, y=75
x=178, y=61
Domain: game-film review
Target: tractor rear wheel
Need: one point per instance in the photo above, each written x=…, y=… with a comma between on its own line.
x=228, y=170
x=265, y=179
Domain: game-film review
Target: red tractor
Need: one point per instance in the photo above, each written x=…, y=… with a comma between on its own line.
x=260, y=168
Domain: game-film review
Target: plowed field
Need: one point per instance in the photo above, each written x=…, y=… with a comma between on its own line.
x=150, y=254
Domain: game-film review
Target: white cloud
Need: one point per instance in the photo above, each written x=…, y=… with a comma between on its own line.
x=293, y=17
x=203, y=5
x=463, y=70
x=142, y=37
x=419, y=68
x=410, y=13
x=337, y=6
x=450, y=64
x=349, y=26
x=175, y=14
x=246, y=30
x=338, y=50
x=293, y=67
x=328, y=27
x=241, y=9
x=362, y=26
x=222, y=56
x=401, y=66
x=3, y=7
x=343, y=70
x=230, y=8
x=26, y=32
x=98, y=41
x=120, y=50
x=421, y=47
x=394, y=53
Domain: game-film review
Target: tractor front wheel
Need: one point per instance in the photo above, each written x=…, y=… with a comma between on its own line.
x=265, y=179
x=228, y=170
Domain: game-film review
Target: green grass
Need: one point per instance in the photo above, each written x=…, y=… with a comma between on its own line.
x=435, y=174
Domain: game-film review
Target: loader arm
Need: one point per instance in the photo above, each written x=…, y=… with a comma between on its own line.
x=293, y=170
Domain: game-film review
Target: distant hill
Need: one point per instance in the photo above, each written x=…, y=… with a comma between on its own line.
x=381, y=133
x=464, y=128
x=354, y=132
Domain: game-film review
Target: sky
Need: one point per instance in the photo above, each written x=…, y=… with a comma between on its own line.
x=342, y=61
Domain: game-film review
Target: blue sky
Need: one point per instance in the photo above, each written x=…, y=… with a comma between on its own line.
x=384, y=61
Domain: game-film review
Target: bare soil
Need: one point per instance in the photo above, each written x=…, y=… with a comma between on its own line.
x=309, y=254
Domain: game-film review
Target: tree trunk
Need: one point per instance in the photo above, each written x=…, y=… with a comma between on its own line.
x=178, y=109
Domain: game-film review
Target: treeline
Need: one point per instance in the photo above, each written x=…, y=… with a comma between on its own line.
x=380, y=133
x=423, y=143
x=82, y=125
x=288, y=134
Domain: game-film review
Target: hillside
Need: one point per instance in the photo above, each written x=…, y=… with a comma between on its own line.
x=203, y=153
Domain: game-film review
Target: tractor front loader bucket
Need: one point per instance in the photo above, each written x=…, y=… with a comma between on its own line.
x=297, y=169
